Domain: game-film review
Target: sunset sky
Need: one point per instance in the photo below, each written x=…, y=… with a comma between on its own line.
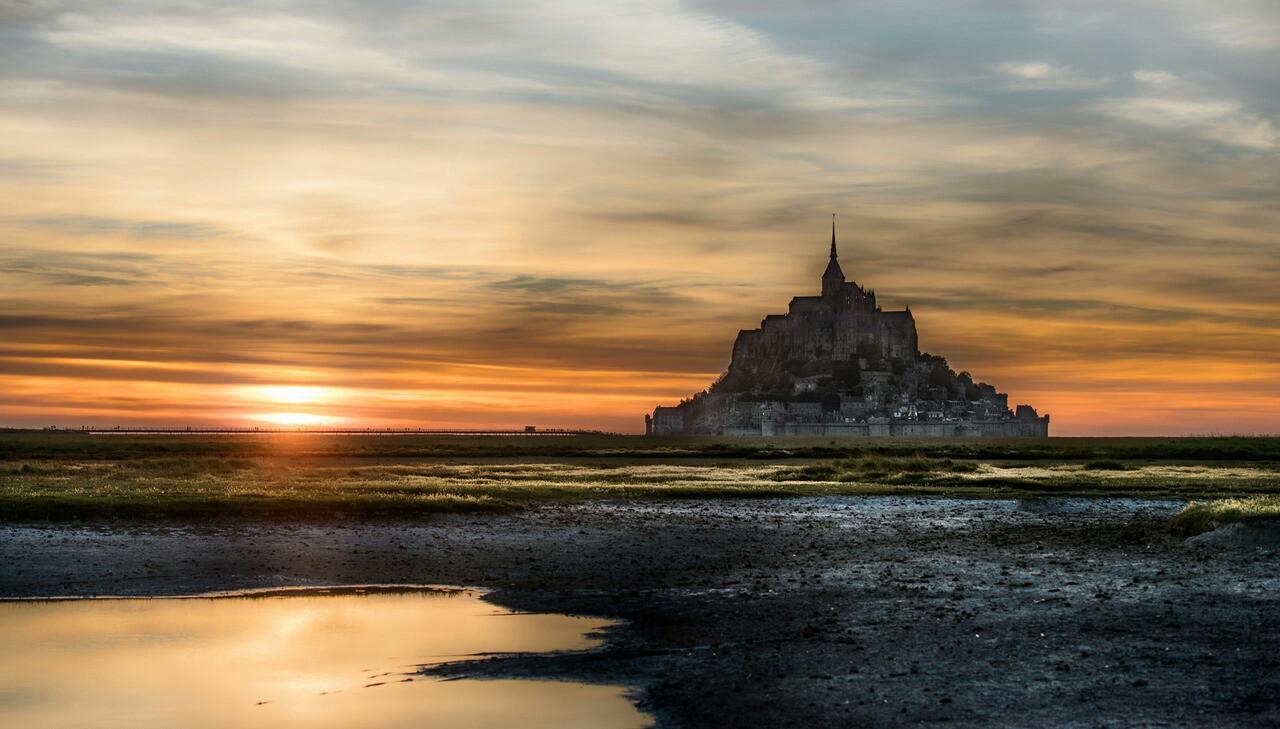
x=461, y=214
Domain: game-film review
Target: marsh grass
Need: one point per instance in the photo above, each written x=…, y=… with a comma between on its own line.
x=1038, y=478
x=1105, y=466
x=1205, y=516
x=32, y=445
x=74, y=476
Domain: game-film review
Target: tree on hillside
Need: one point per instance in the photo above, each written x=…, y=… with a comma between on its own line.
x=847, y=375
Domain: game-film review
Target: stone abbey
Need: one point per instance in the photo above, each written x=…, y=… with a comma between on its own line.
x=837, y=364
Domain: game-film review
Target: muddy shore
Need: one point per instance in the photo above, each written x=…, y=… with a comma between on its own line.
x=796, y=612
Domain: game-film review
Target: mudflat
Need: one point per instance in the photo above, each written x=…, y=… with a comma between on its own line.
x=805, y=611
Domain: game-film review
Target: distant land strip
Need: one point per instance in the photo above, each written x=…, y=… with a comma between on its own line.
x=528, y=431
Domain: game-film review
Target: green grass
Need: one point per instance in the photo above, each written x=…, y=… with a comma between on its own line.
x=1205, y=516
x=74, y=476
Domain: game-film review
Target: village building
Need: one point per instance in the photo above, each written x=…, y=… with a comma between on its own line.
x=665, y=421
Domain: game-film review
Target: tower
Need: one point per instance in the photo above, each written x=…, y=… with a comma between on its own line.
x=833, y=277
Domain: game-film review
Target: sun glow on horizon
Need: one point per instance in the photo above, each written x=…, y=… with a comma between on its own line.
x=297, y=419
x=269, y=396
x=289, y=394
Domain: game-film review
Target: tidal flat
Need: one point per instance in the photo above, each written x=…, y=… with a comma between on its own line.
x=753, y=583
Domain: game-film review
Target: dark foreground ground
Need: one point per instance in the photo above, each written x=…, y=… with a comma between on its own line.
x=798, y=612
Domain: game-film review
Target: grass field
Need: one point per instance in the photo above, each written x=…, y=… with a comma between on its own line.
x=67, y=475
x=1204, y=516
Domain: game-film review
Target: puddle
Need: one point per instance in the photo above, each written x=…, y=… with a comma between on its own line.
x=295, y=658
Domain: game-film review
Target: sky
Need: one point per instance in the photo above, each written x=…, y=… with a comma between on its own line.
x=492, y=214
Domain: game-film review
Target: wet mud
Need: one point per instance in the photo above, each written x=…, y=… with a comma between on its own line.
x=810, y=612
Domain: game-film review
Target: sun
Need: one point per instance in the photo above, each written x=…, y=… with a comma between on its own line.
x=291, y=405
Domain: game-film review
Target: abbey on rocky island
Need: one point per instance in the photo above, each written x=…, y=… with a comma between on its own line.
x=836, y=364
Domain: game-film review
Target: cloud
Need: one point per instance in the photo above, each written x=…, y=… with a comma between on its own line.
x=1157, y=77
x=634, y=52
x=589, y=297
x=1255, y=28
x=1043, y=76
x=542, y=285
x=78, y=269
x=88, y=225
x=28, y=167
x=1221, y=120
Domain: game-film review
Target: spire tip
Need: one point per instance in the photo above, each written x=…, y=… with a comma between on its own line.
x=833, y=236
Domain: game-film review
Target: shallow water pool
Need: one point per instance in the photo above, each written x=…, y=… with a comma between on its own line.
x=295, y=658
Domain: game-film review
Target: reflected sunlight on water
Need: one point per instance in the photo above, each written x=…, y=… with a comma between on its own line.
x=306, y=660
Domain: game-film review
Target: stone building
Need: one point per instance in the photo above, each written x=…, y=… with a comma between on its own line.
x=832, y=325
x=837, y=364
x=665, y=421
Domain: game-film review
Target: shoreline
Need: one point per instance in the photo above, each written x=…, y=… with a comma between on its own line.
x=268, y=592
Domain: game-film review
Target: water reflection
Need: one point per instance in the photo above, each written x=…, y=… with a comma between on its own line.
x=299, y=660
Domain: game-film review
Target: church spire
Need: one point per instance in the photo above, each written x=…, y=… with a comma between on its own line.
x=833, y=236
x=833, y=277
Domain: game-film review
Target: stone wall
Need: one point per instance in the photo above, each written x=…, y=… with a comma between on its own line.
x=1038, y=428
